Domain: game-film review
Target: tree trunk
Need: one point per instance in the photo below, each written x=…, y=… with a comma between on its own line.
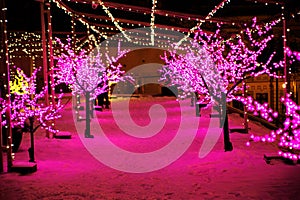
x=246, y=125
x=196, y=99
x=87, y=116
x=31, y=149
x=227, y=144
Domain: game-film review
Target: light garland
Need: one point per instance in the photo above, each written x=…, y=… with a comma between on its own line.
x=210, y=15
x=117, y=25
x=7, y=107
x=50, y=54
x=25, y=45
x=28, y=43
x=60, y=5
x=113, y=19
x=147, y=11
x=152, y=20
x=94, y=28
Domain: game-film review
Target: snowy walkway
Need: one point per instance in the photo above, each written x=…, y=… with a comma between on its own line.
x=66, y=170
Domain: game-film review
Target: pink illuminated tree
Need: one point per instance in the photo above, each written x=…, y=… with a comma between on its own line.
x=217, y=66
x=288, y=135
x=28, y=107
x=186, y=71
x=30, y=104
x=88, y=74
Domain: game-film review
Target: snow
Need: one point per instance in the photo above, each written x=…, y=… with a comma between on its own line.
x=66, y=169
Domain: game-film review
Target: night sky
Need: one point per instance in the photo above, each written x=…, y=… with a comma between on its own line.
x=24, y=15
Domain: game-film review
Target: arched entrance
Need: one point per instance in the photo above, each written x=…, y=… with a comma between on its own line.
x=150, y=61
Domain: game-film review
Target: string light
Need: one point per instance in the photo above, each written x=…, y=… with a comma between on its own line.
x=147, y=11
x=28, y=43
x=71, y=13
x=130, y=9
x=152, y=20
x=7, y=107
x=210, y=15
x=94, y=28
x=113, y=19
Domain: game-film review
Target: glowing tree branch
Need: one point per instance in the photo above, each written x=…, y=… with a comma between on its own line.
x=294, y=55
x=287, y=136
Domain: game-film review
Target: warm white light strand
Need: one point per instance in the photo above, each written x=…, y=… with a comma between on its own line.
x=210, y=15
x=113, y=19
x=152, y=20
x=67, y=11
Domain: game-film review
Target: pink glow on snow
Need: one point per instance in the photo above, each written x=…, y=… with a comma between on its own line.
x=67, y=171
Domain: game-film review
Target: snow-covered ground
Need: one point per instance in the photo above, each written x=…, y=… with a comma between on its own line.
x=66, y=169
